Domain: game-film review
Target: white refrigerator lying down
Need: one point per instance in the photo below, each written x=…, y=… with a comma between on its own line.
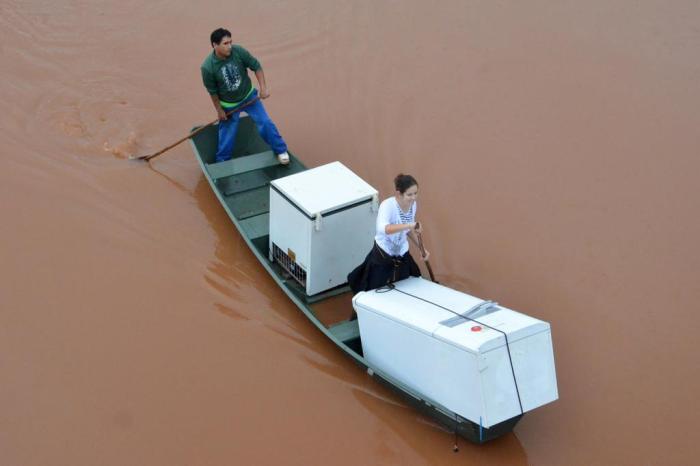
x=417, y=334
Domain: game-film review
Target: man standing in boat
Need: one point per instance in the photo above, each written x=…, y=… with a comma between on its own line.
x=225, y=76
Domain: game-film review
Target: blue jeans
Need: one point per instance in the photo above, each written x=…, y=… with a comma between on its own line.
x=266, y=128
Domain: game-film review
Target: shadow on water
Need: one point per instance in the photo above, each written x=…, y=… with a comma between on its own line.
x=236, y=275
x=223, y=275
x=173, y=181
x=434, y=442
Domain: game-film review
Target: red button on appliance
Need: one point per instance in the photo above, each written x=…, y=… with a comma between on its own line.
x=476, y=328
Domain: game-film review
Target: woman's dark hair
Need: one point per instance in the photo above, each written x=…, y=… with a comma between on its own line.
x=219, y=34
x=403, y=182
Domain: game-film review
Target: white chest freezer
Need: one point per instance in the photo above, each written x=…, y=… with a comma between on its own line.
x=418, y=334
x=322, y=224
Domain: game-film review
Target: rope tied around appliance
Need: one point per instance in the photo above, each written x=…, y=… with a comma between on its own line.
x=391, y=286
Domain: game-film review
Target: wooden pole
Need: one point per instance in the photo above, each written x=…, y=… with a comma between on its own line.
x=193, y=133
x=422, y=251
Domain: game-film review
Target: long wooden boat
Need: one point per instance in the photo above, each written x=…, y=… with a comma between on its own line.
x=242, y=185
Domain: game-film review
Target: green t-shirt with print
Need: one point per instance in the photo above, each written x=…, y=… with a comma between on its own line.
x=228, y=78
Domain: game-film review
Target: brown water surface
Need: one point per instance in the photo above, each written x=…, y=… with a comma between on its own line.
x=556, y=145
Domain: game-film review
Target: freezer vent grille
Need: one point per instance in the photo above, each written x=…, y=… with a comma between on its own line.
x=289, y=265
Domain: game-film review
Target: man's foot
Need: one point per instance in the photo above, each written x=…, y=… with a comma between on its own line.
x=283, y=158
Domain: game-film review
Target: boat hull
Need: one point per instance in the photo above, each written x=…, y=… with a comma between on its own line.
x=242, y=187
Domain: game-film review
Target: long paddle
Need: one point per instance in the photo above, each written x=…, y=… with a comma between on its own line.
x=195, y=132
x=422, y=251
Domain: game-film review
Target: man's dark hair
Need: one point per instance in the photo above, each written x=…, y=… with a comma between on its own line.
x=403, y=182
x=218, y=35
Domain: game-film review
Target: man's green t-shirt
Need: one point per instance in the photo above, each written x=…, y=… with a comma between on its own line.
x=228, y=78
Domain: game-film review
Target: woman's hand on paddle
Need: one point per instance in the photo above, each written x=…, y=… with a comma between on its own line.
x=417, y=227
x=221, y=113
x=426, y=256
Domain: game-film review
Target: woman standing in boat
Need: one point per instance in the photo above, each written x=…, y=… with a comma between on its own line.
x=389, y=260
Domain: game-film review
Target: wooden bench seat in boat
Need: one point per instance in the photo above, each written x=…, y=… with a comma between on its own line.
x=238, y=165
x=346, y=331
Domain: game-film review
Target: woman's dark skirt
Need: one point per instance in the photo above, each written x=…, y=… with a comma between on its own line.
x=379, y=269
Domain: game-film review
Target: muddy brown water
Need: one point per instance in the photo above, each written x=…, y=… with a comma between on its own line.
x=556, y=146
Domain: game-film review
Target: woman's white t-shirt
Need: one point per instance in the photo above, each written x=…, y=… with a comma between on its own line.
x=390, y=213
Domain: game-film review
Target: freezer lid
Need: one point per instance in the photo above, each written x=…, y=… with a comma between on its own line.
x=411, y=303
x=399, y=308
x=482, y=334
x=324, y=189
